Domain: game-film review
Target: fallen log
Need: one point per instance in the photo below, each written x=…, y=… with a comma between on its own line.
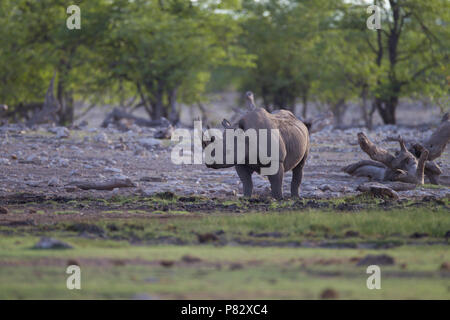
x=410, y=164
x=367, y=168
x=117, y=115
x=402, y=167
x=378, y=190
x=105, y=185
x=437, y=142
x=394, y=185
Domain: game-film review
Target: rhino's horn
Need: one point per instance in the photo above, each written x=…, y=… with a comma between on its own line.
x=250, y=100
x=226, y=124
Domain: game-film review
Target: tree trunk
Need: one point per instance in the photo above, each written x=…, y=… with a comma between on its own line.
x=387, y=110
x=173, y=117
x=367, y=115
x=305, y=105
x=338, y=110
x=157, y=102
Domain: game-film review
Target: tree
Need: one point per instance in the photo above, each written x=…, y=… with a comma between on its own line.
x=284, y=36
x=409, y=50
x=165, y=49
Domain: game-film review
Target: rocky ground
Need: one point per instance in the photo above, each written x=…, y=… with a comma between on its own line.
x=183, y=232
x=46, y=160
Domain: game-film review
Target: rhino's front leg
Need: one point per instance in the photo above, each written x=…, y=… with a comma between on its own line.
x=245, y=174
x=276, y=183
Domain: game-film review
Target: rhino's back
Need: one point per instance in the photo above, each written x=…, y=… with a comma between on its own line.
x=294, y=136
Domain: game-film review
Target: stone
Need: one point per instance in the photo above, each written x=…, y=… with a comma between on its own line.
x=4, y=162
x=381, y=260
x=149, y=142
x=61, y=132
x=111, y=169
x=153, y=179
x=102, y=138
x=54, y=182
x=50, y=243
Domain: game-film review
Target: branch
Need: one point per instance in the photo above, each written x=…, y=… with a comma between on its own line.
x=106, y=185
x=374, y=152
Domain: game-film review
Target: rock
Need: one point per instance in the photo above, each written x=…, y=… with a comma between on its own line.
x=72, y=262
x=325, y=187
x=61, y=132
x=447, y=235
x=329, y=294
x=4, y=162
x=143, y=296
x=33, y=183
x=190, y=259
x=149, y=142
x=86, y=227
x=74, y=173
x=32, y=159
x=153, y=179
x=4, y=210
x=207, y=237
x=64, y=163
x=164, y=133
x=445, y=266
x=71, y=188
x=418, y=235
x=351, y=234
x=381, y=260
x=235, y=266
x=54, y=182
x=167, y=263
x=50, y=243
x=121, y=176
x=111, y=169
x=102, y=138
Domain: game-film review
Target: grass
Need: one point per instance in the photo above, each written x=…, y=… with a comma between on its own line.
x=272, y=255
x=226, y=272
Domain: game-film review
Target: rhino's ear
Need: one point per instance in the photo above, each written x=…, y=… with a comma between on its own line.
x=226, y=124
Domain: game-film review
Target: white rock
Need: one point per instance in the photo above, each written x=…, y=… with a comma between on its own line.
x=63, y=162
x=102, y=137
x=149, y=142
x=54, y=182
x=111, y=169
x=61, y=132
x=4, y=162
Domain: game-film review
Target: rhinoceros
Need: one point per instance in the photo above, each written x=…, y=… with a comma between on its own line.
x=293, y=148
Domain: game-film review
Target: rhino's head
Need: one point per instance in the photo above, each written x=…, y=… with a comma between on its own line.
x=214, y=143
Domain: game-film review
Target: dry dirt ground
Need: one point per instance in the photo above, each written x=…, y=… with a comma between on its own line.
x=37, y=162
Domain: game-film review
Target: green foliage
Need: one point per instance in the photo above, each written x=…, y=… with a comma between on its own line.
x=162, y=52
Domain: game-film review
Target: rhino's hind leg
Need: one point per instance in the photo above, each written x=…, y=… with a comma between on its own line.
x=245, y=174
x=297, y=175
x=276, y=183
